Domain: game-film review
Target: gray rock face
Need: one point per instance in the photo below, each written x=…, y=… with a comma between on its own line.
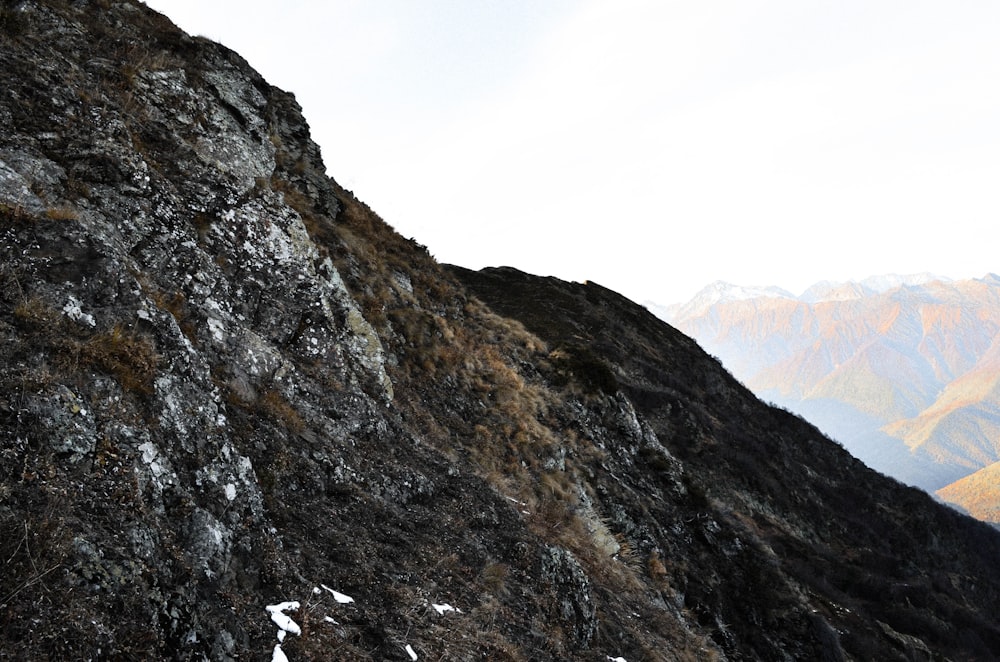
x=157, y=280
x=185, y=362
x=226, y=384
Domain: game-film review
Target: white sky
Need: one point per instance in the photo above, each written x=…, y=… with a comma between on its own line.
x=652, y=146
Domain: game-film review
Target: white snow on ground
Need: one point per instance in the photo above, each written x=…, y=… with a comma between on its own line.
x=441, y=609
x=411, y=652
x=339, y=597
x=283, y=620
x=285, y=625
x=617, y=659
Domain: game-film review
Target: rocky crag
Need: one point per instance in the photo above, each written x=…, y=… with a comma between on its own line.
x=234, y=404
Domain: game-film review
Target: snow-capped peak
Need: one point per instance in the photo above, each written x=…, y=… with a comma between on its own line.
x=718, y=292
x=887, y=282
x=722, y=291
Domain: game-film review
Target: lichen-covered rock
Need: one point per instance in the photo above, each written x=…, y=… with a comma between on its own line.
x=575, y=609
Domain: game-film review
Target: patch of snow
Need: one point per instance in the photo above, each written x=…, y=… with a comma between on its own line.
x=444, y=608
x=723, y=291
x=617, y=659
x=278, y=655
x=283, y=620
x=411, y=652
x=230, y=491
x=339, y=597
x=327, y=619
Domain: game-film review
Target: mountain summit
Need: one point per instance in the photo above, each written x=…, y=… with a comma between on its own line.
x=241, y=418
x=721, y=292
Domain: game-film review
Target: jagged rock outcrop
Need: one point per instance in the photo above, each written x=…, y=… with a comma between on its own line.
x=227, y=385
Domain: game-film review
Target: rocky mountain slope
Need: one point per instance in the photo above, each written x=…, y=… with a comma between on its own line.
x=241, y=418
x=904, y=375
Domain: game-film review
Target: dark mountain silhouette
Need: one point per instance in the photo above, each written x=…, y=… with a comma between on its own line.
x=235, y=404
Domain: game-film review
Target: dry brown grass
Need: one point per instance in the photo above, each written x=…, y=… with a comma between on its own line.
x=128, y=356
x=62, y=213
x=494, y=578
x=276, y=406
x=36, y=312
x=123, y=353
x=654, y=566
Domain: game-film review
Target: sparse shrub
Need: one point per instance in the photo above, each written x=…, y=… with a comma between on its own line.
x=130, y=357
x=299, y=201
x=31, y=549
x=494, y=578
x=36, y=312
x=556, y=485
x=626, y=552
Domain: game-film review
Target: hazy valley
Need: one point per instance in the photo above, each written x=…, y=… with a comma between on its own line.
x=903, y=371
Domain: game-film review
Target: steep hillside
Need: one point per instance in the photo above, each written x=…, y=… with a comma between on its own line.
x=977, y=494
x=902, y=371
x=770, y=471
x=241, y=418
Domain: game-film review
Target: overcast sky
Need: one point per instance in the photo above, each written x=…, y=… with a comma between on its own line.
x=652, y=146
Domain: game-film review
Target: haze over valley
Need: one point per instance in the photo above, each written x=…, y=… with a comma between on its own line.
x=903, y=370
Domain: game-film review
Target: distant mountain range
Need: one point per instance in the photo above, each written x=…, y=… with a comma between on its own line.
x=904, y=371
